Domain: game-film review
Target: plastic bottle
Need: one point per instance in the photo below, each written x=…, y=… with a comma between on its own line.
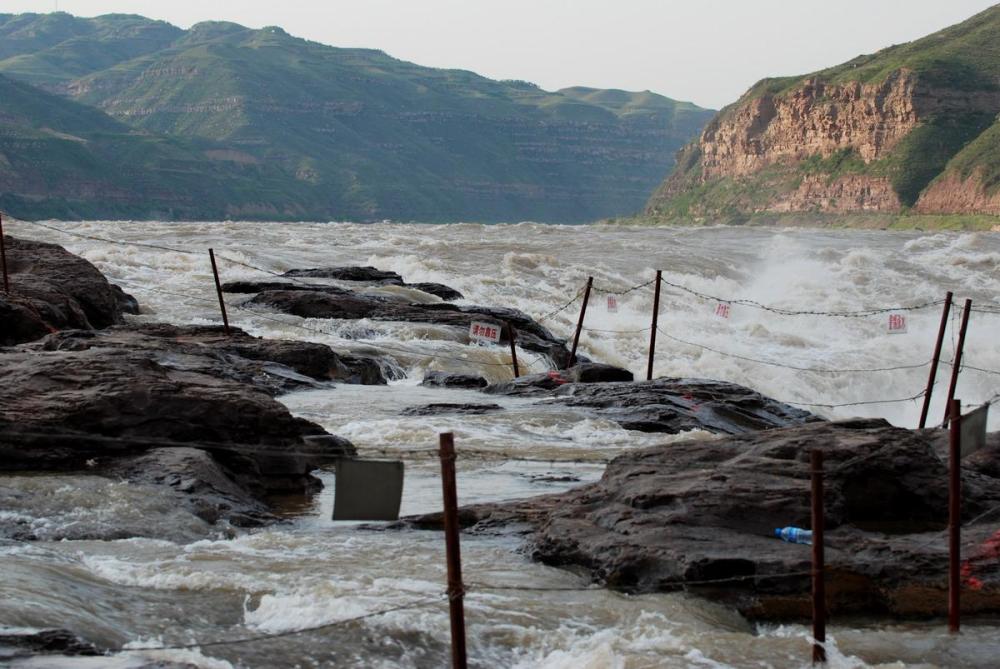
x=794, y=535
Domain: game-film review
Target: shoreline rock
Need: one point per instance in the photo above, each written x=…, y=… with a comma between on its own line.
x=669, y=518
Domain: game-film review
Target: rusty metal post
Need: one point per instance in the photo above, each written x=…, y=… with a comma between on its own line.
x=218, y=289
x=513, y=349
x=954, y=516
x=956, y=364
x=579, y=323
x=652, y=329
x=3, y=257
x=456, y=590
x=936, y=359
x=818, y=567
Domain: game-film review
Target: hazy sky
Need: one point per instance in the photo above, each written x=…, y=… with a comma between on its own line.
x=705, y=51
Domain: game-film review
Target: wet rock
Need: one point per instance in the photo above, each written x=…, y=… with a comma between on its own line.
x=438, y=289
x=367, y=274
x=662, y=405
x=449, y=380
x=52, y=289
x=322, y=304
x=31, y=641
x=60, y=409
x=675, y=516
x=592, y=372
x=270, y=365
x=445, y=409
x=250, y=287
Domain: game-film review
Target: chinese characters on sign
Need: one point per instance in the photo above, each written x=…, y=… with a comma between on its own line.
x=722, y=310
x=897, y=323
x=612, y=304
x=484, y=332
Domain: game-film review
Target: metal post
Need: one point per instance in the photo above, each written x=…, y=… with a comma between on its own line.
x=954, y=516
x=579, y=323
x=3, y=258
x=513, y=349
x=818, y=581
x=456, y=590
x=652, y=329
x=956, y=364
x=936, y=359
x=218, y=289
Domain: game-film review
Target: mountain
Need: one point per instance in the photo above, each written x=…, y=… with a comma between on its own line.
x=355, y=133
x=62, y=159
x=912, y=128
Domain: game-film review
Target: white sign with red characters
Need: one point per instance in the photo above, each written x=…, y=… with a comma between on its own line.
x=897, y=324
x=484, y=332
x=722, y=310
x=612, y=304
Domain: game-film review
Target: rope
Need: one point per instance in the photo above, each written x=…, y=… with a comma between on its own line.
x=792, y=312
x=416, y=604
x=817, y=370
x=622, y=293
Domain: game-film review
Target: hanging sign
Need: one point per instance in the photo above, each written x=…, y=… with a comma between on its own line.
x=722, y=309
x=612, y=304
x=368, y=490
x=973, y=428
x=896, y=324
x=484, y=332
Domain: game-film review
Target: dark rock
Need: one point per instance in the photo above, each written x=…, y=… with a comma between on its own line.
x=250, y=287
x=592, y=372
x=444, y=408
x=448, y=380
x=59, y=641
x=273, y=366
x=59, y=409
x=320, y=304
x=663, y=405
x=369, y=274
x=438, y=289
x=672, y=517
x=52, y=289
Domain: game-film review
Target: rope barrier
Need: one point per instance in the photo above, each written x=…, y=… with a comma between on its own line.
x=416, y=604
x=622, y=293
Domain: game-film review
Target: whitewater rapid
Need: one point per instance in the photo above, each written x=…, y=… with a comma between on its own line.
x=315, y=571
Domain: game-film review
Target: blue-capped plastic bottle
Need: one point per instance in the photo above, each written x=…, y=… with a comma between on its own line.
x=794, y=535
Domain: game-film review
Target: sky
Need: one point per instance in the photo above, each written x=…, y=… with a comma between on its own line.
x=704, y=51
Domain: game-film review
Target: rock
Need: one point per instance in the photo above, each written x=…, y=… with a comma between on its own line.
x=592, y=372
x=52, y=289
x=444, y=408
x=322, y=304
x=449, y=380
x=270, y=365
x=32, y=641
x=670, y=517
x=368, y=274
x=662, y=405
x=59, y=409
x=250, y=287
x=438, y=289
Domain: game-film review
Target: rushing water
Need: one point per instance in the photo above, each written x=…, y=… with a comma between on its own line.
x=313, y=571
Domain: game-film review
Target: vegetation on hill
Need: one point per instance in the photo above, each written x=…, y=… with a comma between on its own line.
x=355, y=133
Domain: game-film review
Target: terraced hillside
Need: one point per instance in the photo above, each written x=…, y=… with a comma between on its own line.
x=355, y=133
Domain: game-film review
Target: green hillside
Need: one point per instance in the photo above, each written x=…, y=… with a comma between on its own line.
x=357, y=133
x=948, y=81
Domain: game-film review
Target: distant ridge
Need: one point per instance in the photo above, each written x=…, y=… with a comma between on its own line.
x=285, y=128
x=911, y=129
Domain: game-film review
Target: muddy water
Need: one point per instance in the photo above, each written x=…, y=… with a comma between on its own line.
x=313, y=571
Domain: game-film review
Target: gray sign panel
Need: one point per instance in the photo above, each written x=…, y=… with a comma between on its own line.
x=368, y=490
x=974, y=430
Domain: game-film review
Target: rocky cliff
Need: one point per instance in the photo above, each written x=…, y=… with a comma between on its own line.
x=911, y=127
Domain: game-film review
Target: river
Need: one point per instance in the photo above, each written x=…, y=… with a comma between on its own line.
x=312, y=571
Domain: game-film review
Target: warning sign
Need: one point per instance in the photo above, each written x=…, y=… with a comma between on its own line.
x=612, y=304
x=722, y=310
x=484, y=332
x=896, y=324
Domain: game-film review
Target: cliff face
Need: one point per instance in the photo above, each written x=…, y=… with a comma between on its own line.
x=911, y=127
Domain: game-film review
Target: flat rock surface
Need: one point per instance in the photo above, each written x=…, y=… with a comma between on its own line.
x=700, y=515
x=446, y=409
x=52, y=289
